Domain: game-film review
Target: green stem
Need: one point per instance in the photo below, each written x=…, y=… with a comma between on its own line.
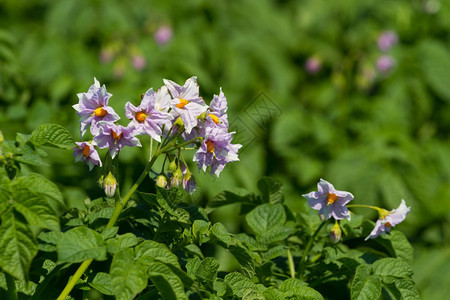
x=116, y=213
x=302, y=264
x=11, y=286
x=291, y=263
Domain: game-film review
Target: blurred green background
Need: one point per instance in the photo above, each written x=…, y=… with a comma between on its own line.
x=310, y=92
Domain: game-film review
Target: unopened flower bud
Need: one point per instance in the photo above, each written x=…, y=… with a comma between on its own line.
x=173, y=166
x=189, y=182
x=177, y=178
x=110, y=185
x=161, y=181
x=335, y=233
x=179, y=122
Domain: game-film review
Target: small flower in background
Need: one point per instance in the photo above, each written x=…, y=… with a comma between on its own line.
x=163, y=35
x=145, y=118
x=389, y=219
x=385, y=63
x=216, y=150
x=335, y=233
x=313, y=65
x=186, y=102
x=106, y=55
x=115, y=137
x=85, y=151
x=110, y=185
x=329, y=201
x=139, y=62
x=93, y=108
x=386, y=40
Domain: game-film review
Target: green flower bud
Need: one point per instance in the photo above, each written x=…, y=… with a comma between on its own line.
x=110, y=185
x=335, y=233
x=161, y=181
x=179, y=122
x=173, y=166
x=177, y=178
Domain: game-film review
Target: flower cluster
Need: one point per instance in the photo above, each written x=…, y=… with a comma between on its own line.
x=333, y=203
x=175, y=116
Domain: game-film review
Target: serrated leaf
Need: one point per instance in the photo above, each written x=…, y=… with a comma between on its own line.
x=392, y=267
x=365, y=286
x=17, y=246
x=41, y=185
x=271, y=190
x=265, y=217
x=168, y=283
x=35, y=209
x=150, y=251
x=53, y=135
x=407, y=289
x=128, y=277
x=79, y=244
x=238, y=283
x=102, y=283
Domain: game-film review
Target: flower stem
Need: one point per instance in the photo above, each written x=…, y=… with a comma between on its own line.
x=302, y=264
x=112, y=221
x=11, y=286
x=366, y=206
x=291, y=263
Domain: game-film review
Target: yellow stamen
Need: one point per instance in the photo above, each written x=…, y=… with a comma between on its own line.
x=209, y=146
x=331, y=198
x=214, y=118
x=115, y=136
x=140, y=117
x=86, y=150
x=100, y=112
x=183, y=103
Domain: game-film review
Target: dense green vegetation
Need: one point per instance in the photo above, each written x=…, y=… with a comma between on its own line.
x=382, y=134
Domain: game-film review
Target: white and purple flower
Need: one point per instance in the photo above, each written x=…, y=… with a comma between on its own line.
x=217, y=115
x=115, y=137
x=146, y=119
x=186, y=102
x=93, y=108
x=85, y=151
x=386, y=40
x=389, y=219
x=216, y=150
x=329, y=201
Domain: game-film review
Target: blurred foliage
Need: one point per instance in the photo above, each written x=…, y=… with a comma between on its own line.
x=381, y=135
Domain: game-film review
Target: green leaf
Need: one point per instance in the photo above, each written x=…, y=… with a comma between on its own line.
x=102, y=283
x=52, y=135
x=365, y=286
x=5, y=191
x=304, y=292
x=109, y=233
x=252, y=294
x=265, y=217
x=192, y=266
x=271, y=190
x=392, y=267
x=221, y=233
x=42, y=186
x=168, y=283
x=276, y=234
x=207, y=270
x=407, y=289
x=435, y=65
x=126, y=240
x=128, y=277
x=18, y=246
x=79, y=244
x=290, y=283
x=401, y=246
x=200, y=229
x=35, y=209
x=150, y=251
x=272, y=293
x=230, y=197
x=238, y=283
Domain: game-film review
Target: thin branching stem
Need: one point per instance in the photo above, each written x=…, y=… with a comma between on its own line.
x=302, y=264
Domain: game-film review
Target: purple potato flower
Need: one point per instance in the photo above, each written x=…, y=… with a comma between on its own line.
x=329, y=201
x=93, y=108
x=186, y=102
x=115, y=137
x=85, y=151
x=389, y=219
x=385, y=63
x=145, y=118
x=217, y=115
x=313, y=65
x=386, y=40
x=163, y=35
x=216, y=150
